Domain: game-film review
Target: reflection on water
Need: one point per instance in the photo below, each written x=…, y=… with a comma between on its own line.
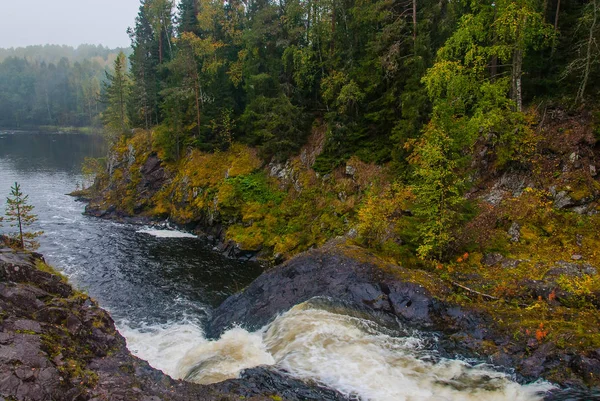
x=26, y=151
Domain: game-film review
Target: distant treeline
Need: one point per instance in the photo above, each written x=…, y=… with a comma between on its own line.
x=54, y=53
x=53, y=85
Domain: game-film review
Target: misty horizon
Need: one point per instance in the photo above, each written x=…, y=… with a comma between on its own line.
x=67, y=23
x=74, y=47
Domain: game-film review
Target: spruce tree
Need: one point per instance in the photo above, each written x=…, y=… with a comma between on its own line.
x=117, y=89
x=19, y=214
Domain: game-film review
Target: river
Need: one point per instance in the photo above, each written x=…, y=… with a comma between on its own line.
x=160, y=285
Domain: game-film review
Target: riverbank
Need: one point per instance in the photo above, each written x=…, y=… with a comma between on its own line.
x=58, y=344
x=526, y=259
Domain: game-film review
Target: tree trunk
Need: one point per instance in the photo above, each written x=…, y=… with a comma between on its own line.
x=168, y=39
x=197, y=93
x=494, y=62
x=517, y=72
x=555, y=28
x=308, y=16
x=333, y=27
x=414, y=17
x=588, y=56
x=20, y=224
x=160, y=47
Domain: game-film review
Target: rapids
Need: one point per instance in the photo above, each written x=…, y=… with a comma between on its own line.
x=353, y=355
x=160, y=285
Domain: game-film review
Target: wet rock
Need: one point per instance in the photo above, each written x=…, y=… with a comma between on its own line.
x=320, y=273
x=259, y=380
x=410, y=301
x=153, y=175
x=576, y=257
x=534, y=365
x=73, y=324
x=53, y=315
x=588, y=368
x=370, y=295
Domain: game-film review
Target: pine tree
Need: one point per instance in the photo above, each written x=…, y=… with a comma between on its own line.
x=117, y=89
x=144, y=70
x=19, y=214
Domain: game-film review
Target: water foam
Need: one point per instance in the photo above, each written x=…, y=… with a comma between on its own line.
x=166, y=233
x=163, y=346
x=349, y=354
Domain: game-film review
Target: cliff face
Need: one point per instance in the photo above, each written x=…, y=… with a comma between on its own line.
x=57, y=344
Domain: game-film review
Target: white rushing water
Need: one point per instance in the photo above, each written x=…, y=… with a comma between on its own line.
x=165, y=233
x=349, y=354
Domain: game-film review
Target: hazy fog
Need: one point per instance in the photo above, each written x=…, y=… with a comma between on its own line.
x=68, y=22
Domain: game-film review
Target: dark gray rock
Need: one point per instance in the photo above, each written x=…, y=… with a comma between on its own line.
x=511, y=263
x=259, y=380
x=492, y=259
x=562, y=200
x=410, y=301
x=570, y=269
x=28, y=325
x=320, y=273
x=588, y=368
x=153, y=175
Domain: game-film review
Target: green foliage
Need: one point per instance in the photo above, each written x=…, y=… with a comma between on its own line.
x=19, y=215
x=275, y=125
x=438, y=190
x=380, y=216
x=255, y=188
x=116, y=95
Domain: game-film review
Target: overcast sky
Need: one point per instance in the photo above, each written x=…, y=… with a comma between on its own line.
x=66, y=22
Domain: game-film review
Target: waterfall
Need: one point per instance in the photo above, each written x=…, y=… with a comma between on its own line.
x=353, y=355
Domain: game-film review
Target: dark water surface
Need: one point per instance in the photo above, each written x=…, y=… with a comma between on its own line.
x=139, y=278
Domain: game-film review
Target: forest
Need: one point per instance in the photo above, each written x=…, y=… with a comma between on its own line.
x=52, y=85
x=453, y=144
x=413, y=86
x=376, y=71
